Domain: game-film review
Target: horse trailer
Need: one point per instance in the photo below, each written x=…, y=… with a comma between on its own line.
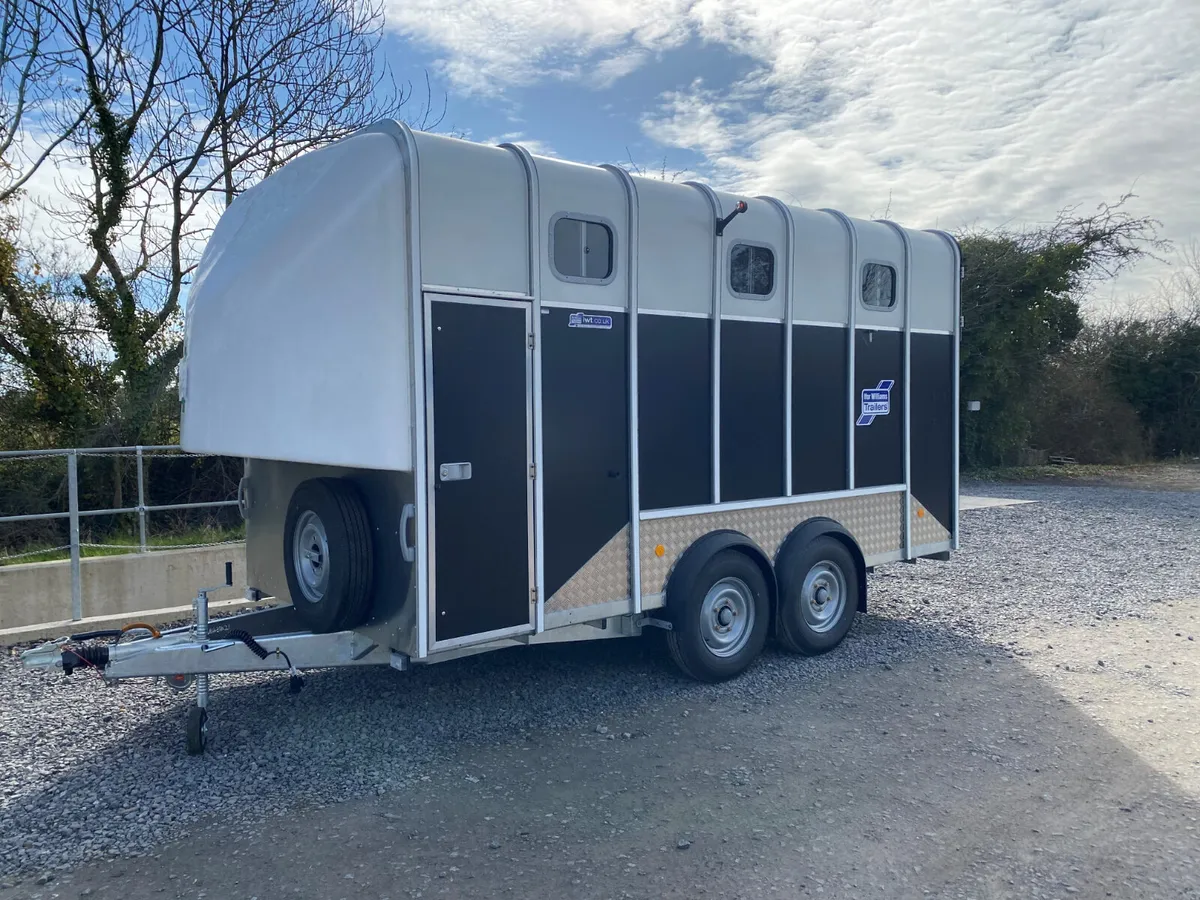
x=487, y=398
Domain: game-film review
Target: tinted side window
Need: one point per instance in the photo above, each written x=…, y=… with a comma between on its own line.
x=878, y=286
x=582, y=249
x=568, y=248
x=751, y=270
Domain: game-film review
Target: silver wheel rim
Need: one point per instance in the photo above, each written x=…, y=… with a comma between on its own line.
x=727, y=617
x=823, y=596
x=310, y=556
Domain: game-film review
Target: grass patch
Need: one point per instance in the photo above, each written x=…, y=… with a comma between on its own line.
x=116, y=545
x=1176, y=473
x=1044, y=473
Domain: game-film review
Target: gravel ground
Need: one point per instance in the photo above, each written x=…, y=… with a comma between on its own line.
x=88, y=771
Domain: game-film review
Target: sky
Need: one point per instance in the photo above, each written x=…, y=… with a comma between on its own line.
x=937, y=113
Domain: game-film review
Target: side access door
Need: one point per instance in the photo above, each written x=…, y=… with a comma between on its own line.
x=480, y=445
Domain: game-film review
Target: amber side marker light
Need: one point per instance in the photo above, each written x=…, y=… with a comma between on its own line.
x=660, y=550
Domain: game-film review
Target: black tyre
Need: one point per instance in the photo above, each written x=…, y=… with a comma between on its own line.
x=720, y=622
x=197, y=730
x=818, y=596
x=328, y=555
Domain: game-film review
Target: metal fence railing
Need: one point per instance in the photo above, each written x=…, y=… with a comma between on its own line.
x=74, y=514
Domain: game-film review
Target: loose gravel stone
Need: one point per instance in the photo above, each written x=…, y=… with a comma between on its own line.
x=75, y=786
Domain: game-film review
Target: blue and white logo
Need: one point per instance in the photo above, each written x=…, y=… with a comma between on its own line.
x=587, y=320
x=876, y=401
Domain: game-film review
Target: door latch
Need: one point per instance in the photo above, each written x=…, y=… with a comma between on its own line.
x=459, y=471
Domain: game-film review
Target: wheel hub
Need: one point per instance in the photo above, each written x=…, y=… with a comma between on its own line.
x=309, y=556
x=727, y=617
x=823, y=596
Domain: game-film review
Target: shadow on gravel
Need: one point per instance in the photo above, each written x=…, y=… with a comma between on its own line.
x=857, y=757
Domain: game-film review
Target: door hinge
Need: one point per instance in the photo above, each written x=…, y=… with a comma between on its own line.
x=533, y=596
x=531, y=341
x=532, y=470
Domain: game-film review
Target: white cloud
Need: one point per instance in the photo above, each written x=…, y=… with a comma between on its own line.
x=953, y=111
x=533, y=145
x=521, y=41
x=613, y=68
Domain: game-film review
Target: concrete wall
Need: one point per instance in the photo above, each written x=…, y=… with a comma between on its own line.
x=112, y=585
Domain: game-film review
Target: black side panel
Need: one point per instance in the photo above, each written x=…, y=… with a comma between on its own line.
x=585, y=439
x=820, y=407
x=674, y=411
x=481, y=525
x=879, y=442
x=932, y=358
x=751, y=410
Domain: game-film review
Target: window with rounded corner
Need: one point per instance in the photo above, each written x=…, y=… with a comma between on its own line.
x=751, y=271
x=878, y=286
x=581, y=250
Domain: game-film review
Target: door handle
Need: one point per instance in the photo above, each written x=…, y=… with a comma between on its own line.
x=407, y=550
x=458, y=471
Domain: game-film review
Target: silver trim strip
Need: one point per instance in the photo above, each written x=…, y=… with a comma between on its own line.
x=869, y=327
x=789, y=305
x=852, y=321
x=714, y=203
x=674, y=312
x=926, y=549
x=483, y=637
x=583, y=307
x=635, y=556
x=941, y=331
x=407, y=143
x=427, y=481
x=653, y=601
x=956, y=254
x=819, y=324
x=533, y=419
x=464, y=300
x=538, y=545
x=733, y=506
x=473, y=292
x=563, y=617
x=880, y=559
x=907, y=368
x=773, y=320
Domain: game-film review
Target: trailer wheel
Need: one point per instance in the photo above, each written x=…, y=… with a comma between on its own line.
x=720, y=624
x=328, y=555
x=197, y=730
x=818, y=596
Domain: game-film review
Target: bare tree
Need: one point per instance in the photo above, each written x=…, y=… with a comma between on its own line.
x=660, y=172
x=171, y=108
x=31, y=87
x=1179, y=293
